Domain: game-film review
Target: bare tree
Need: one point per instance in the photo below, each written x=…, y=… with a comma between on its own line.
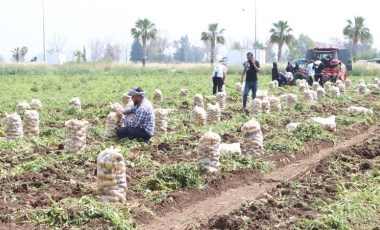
x=56, y=44
x=96, y=49
x=113, y=52
x=236, y=45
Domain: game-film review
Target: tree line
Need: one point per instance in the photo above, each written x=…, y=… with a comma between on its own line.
x=149, y=45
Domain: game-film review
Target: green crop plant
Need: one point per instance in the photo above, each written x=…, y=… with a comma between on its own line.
x=237, y=161
x=78, y=212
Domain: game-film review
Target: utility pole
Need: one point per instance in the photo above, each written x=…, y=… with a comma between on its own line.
x=255, y=30
x=43, y=25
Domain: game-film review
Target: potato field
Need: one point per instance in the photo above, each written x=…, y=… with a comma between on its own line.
x=301, y=158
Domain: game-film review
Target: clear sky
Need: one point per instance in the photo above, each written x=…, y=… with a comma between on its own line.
x=79, y=21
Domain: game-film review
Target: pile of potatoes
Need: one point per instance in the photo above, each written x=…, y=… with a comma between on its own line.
x=22, y=107
x=213, y=113
x=111, y=125
x=221, y=99
x=253, y=138
x=208, y=152
x=31, y=124
x=161, y=121
x=75, y=103
x=157, y=96
x=198, y=116
x=36, y=104
x=111, y=178
x=198, y=100
x=76, y=132
x=13, y=126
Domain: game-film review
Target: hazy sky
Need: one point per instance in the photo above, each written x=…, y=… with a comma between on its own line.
x=79, y=21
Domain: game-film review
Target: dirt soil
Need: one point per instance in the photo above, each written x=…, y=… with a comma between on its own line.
x=214, y=204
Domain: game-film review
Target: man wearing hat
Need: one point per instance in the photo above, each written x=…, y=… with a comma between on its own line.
x=141, y=126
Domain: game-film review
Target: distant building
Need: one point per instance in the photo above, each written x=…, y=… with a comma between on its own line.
x=238, y=57
x=50, y=58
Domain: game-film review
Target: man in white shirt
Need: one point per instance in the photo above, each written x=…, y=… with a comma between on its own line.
x=219, y=76
x=310, y=72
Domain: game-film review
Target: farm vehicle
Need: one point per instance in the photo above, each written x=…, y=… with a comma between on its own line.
x=336, y=61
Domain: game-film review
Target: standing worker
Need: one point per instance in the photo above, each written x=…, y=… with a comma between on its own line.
x=219, y=76
x=310, y=72
x=318, y=68
x=251, y=68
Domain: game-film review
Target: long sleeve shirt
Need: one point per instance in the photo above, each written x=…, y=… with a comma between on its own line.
x=143, y=117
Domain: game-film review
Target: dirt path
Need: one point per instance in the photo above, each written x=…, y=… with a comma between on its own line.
x=232, y=199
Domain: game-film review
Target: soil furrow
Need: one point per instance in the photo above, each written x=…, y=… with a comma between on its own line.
x=232, y=199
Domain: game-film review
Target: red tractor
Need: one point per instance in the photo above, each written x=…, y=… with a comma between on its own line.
x=337, y=61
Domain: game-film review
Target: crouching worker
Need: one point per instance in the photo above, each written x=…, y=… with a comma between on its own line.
x=141, y=125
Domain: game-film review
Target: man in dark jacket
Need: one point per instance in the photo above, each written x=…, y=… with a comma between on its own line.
x=318, y=68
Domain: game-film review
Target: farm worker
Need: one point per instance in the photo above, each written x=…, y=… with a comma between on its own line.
x=282, y=80
x=141, y=125
x=219, y=76
x=274, y=71
x=289, y=68
x=251, y=68
x=310, y=72
x=318, y=68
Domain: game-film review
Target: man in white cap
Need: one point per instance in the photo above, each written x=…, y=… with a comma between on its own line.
x=141, y=126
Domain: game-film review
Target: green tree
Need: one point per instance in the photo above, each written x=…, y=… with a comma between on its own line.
x=18, y=54
x=136, y=51
x=357, y=32
x=144, y=30
x=280, y=35
x=84, y=55
x=183, y=48
x=299, y=47
x=213, y=36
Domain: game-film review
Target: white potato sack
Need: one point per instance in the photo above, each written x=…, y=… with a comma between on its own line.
x=127, y=100
x=239, y=87
x=13, y=126
x=31, y=124
x=308, y=96
x=115, y=107
x=275, y=104
x=111, y=178
x=348, y=83
x=320, y=93
x=198, y=100
x=256, y=106
x=291, y=100
x=36, y=104
x=221, y=99
x=76, y=132
x=315, y=85
x=358, y=110
x=208, y=152
x=161, y=121
x=265, y=105
x=157, y=96
x=329, y=122
x=22, y=107
x=334, y=91
x=292, y=126
x=111, y=125
x=327, y=85
x=363, y=88
x=198, y=116
x=213, y=113
x=253, y=143
x=75, y=103
x=261, y=94
x=183, y=92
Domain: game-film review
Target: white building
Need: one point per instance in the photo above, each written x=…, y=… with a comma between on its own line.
x=51, y=58
x=238, y=57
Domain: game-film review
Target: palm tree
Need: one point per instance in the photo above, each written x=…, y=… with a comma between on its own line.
x=144, y=30
x=19, y=54
x=357, y=32
x=79, y=55
x=213, y=36
x=281, y=35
